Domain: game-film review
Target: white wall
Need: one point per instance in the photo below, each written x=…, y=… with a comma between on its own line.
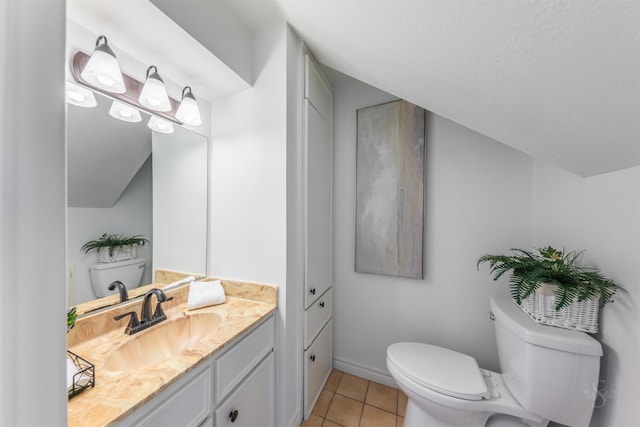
x=32, y=214
x=248, y=215
x=478, y=200
x=601, y=215
x=130, y=215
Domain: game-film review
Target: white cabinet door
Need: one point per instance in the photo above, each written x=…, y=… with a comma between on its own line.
x=240, y=359
x=252, y=403
x=186, y=403
x=317, y=367
x=318, y=204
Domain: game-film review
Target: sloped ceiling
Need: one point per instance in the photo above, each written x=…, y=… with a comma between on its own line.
x=559, y=80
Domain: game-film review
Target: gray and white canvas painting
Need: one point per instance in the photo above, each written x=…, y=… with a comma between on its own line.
x=390, y=189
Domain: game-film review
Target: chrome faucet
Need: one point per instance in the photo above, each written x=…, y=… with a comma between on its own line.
x=122, y=289
x=147, y=318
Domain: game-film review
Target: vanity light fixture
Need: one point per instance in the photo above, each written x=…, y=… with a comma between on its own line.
x=77, y=95
x=188, y=112
x=154, y=94
x=124, y=112
x=102, y=69
x=160, y=125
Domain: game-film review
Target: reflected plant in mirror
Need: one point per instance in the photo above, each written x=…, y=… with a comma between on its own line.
x=114, y=247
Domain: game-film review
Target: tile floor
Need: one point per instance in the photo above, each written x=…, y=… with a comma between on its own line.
x=350, y=401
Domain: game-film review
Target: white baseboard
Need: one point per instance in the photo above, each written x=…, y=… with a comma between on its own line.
x=366, y=373
x=296, y=420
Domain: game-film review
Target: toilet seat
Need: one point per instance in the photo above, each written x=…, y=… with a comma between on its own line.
x=440, y=369
x=499, y=399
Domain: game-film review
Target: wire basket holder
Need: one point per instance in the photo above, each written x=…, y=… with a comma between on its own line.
x=84, y=378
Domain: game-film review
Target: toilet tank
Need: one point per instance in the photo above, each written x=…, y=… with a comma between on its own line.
x=128, y=272
x=551, y=371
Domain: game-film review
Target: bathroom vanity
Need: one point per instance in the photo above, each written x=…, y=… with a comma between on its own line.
x=213, y=366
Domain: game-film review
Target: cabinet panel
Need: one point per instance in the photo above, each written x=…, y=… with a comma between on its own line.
x=251, y=404
x=189, y=406
x=233, y=365
x=317, y=367
x=317, y=316
x=318, y=205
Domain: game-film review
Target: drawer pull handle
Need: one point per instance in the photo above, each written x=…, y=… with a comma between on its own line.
x=233, y=415
x=312, y=357
x=313, y=291
x=322, y=304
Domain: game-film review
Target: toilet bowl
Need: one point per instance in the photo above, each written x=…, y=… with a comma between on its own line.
x=544, y=371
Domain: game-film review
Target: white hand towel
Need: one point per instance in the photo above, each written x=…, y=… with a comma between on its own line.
x=203, y=294
x=180, y=282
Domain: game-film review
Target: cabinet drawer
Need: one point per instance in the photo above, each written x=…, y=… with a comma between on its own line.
x=252, y=403
x=317, y=367
x=240, y=359
x=316, y=316
x=188, y=406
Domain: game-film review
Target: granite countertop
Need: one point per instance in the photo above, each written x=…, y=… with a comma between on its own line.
x=117, y=394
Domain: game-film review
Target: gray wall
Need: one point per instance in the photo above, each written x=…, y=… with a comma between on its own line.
x=32, y=214
x=601, y=214
x=478, y=200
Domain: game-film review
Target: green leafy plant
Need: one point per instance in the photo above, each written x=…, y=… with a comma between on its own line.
x=529, y=270
x=71, y=318
x=113, y=241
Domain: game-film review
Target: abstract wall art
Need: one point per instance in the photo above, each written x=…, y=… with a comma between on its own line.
x=390, y=189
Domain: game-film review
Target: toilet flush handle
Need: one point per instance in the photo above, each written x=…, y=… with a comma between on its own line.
x=492, y=316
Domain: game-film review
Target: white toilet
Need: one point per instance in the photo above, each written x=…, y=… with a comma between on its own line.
x=128, y=272
x=547, y=374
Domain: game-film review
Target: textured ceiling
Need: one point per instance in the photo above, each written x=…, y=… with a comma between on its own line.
x=559, y=80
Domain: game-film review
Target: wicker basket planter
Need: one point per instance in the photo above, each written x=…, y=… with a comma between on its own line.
x=117, y=253
x=579, y=315
x=553, y=288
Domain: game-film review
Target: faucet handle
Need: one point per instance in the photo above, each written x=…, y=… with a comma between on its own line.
x=159, y=312
x=133, y=321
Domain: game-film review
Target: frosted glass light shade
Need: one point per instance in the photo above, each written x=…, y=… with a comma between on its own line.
x=102, y=69
x=80, y=96
x=124, y=112
x=160, y=125
x=154, y=94
x=188, y=111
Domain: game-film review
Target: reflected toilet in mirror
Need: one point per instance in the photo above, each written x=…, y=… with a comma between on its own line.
x=103, y=274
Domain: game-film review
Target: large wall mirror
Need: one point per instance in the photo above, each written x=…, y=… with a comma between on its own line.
x=124, y=178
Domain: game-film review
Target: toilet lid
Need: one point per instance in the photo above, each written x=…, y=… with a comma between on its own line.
x=440, y=369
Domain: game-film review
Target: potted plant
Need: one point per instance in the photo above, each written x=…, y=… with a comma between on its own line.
x=115, y=247
x=552, y=287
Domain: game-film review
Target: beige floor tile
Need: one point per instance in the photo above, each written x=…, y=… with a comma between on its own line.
x=333, y=381
x=402, y=403
x=353, y=387
x=313, y=421
x=382, y=397
x=344, y=411
x=400, y=421
x=375, y=417
x=328, y=423
x=322, y=405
